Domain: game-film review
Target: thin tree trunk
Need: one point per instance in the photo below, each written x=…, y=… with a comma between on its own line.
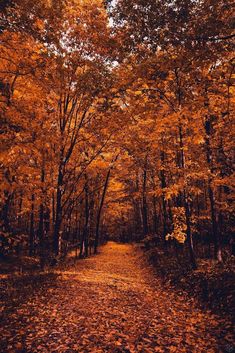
x=216, y=238
x=20, y=210
x=186, y=207
x=189, y=233
x=215, y=233
x=86, y=227
x=31, y=230
x=163, y=186
x=41, y=224
x=53, y=209
x=155, y=218
x=58, y=213
x=99, y=212
x=144, y=204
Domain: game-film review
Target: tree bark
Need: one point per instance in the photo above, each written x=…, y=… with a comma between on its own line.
x=215, y=233
x=99, y=212
x=31, y=230
x=41, y=224
x=85, y=241
x=189, y=233
x=163, y=186
x=216, y=238
x=187, y=207
x=58, y=213
x=87, y=212
x=144, y=204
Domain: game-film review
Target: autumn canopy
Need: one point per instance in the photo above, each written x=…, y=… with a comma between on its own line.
x=116, y=122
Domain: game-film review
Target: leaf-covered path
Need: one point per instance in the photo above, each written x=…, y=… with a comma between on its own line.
x=109, y=303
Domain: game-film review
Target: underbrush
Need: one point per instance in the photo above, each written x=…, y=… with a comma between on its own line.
x=212, y=283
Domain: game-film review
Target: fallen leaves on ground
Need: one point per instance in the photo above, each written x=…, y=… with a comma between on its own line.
x=108, y=303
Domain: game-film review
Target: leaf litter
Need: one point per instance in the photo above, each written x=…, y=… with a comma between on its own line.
x=111, y=302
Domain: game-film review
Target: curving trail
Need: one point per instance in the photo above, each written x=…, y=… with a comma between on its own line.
x=109, y=303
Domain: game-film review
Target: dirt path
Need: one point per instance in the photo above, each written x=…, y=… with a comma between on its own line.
x=109, y=303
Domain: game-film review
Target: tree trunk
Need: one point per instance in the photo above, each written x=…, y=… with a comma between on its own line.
x=84, y=242
x=155, y=218
x=41, y=224
x=31, y=230
x=215, y=233
x=216, y=238
x=86, y=227
x=19, y=223
x=189, y=233
x=58, y=213
x=144, y=204
x=99, y=212
x=186, y=206
x=163, y=186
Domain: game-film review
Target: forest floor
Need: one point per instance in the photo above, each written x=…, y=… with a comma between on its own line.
x=111, y=302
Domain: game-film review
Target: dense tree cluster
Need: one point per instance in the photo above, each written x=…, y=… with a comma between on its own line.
x=116, y=119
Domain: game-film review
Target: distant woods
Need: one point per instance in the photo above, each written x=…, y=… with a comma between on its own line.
x=116, y=121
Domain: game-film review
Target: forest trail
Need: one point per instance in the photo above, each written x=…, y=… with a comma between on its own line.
x=109, y=303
